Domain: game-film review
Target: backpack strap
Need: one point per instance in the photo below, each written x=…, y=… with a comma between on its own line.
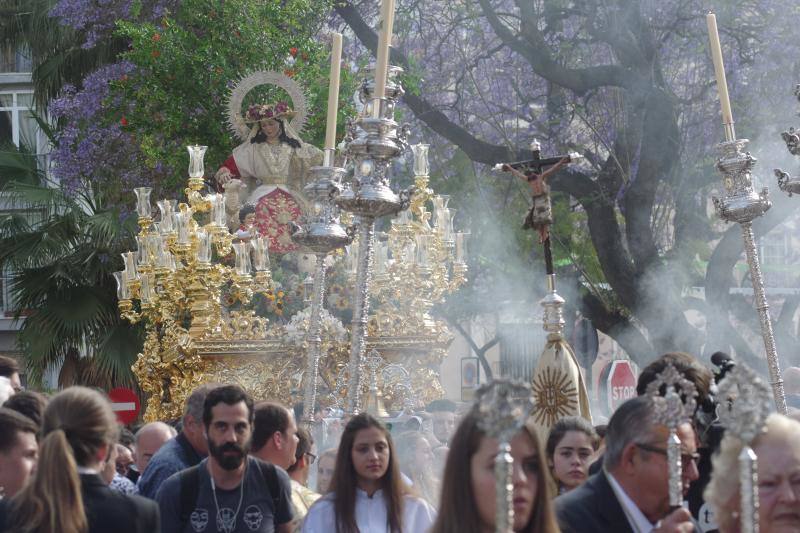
x=273, y=485
x=190, y=486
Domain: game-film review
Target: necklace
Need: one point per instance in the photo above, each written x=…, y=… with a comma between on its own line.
x=226, y=521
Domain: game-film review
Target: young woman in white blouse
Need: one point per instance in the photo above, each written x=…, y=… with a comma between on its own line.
x=367, y=491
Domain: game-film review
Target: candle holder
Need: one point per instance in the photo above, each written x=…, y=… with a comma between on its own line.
x=375, y=143
x=321, y=233
x=196, y=166
x=742, y=204
x=143, y=209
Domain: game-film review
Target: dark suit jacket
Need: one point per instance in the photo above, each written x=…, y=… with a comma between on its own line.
x=109, y=511
x=591, y=508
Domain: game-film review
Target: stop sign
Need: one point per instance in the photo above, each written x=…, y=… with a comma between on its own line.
x=621, y=384
x=125, y=404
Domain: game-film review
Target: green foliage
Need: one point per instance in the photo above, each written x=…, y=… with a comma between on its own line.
x=190, y=62
x=61, y=254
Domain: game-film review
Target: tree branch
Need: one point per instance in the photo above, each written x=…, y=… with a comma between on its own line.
x=479, y=352
x=536, y=51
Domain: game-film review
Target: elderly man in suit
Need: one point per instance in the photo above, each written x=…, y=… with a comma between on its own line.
x=630, y=494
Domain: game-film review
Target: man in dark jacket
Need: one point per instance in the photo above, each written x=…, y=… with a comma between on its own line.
x=630, y=494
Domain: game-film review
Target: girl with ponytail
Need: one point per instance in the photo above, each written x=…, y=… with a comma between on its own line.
x=66, y=494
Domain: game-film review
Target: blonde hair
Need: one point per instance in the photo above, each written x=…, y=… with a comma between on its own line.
x=723, y=489
x=77, y=423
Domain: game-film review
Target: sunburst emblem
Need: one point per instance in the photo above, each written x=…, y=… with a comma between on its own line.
x=555, y=396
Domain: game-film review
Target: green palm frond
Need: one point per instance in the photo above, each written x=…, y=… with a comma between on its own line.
x=18, y=165
x=117, y=350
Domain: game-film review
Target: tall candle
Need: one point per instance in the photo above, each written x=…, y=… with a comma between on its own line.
x=719, y=71
x=333, y=92
x=382, y=55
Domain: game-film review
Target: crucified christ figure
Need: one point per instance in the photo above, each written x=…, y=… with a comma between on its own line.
x=540, y=215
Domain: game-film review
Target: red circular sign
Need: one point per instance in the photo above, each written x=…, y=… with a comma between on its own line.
x=125, y=404
x=621, y=384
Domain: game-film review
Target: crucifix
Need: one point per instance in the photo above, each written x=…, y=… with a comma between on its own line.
x=536, y=172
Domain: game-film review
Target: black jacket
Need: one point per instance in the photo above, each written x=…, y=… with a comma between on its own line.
x=593, y=508
x=109, y=511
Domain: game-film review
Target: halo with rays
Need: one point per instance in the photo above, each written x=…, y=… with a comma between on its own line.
x=256, y=79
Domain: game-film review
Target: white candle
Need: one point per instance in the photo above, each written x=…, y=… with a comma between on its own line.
x=719, y=70
x=333, y=91
x=382, y=55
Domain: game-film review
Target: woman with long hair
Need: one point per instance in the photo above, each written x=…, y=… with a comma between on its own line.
x=367, y=490
x=467, y=503
x=570, y=449
x=67, y=494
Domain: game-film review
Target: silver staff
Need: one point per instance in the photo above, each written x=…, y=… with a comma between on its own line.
x=744, y=409
x=375, y=144
x=321, y=234
x=672, y=408
x=504, y=406
x=742, y=205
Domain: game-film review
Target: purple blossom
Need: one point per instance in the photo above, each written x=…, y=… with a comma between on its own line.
x=98, y=18
x=88, y=148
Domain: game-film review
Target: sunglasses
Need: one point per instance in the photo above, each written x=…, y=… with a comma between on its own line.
x=311, y=458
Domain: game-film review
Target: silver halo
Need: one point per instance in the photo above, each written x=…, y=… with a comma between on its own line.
x=265, y=77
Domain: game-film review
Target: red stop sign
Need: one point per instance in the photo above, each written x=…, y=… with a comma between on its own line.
x=621, y=384
x=125, y=404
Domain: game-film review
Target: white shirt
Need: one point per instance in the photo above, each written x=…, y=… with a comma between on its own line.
x=418, y=516
x=636, y=518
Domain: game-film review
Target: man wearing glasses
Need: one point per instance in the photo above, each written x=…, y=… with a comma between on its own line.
x=630, y=494
x=302, y=496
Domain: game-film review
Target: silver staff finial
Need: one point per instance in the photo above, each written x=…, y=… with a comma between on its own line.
x=678, y=402
x=503, y=407
x=745, y=403
x=672, y=408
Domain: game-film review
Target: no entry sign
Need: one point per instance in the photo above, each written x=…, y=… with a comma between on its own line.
x=621, y=384
x=125, y=404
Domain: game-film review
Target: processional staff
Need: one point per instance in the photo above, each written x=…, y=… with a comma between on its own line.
x=744, y=407
x=558, y=386
x=671, y=408
x=742, y=204
x=504, y=406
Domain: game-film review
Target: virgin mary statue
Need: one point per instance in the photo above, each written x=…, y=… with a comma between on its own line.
x=272, y=167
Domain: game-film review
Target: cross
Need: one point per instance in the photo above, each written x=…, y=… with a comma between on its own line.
x=536, y=171
x=537, y=164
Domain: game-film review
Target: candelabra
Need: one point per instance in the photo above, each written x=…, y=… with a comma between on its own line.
x=376, y=141
x=417, y=262
x=174, y=281
x=420, y=257
x=321, y=234
x=742, y=204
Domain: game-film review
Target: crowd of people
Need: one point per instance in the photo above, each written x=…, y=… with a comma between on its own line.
x=234, y=464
